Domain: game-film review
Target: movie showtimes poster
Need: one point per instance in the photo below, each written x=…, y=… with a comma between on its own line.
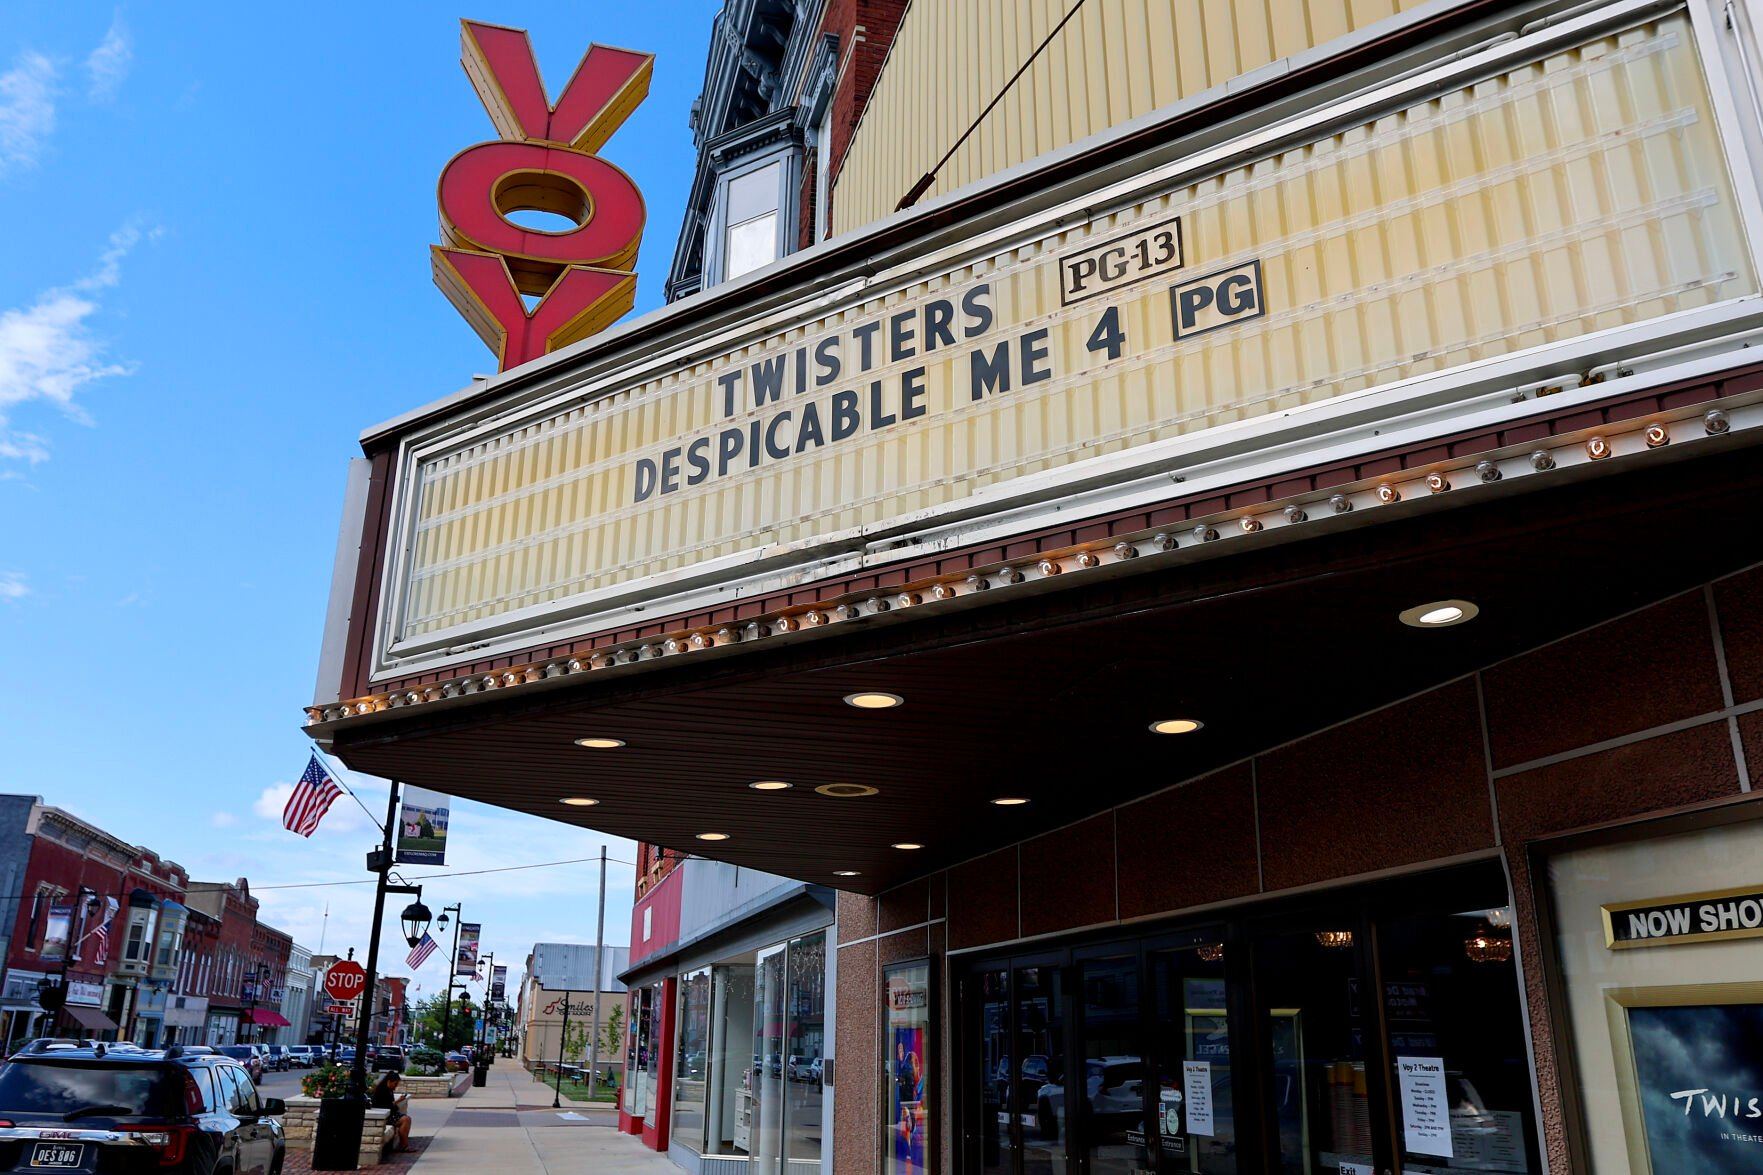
x=1699, y=1069
x=909, y=1039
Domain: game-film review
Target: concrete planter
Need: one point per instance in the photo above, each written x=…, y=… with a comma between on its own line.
x=300, y=1124
x=452, y=1085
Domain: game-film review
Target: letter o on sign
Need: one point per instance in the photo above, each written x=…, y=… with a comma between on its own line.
x=484, y=183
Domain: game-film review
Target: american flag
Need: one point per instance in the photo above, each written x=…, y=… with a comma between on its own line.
x=419, y=953
x=312, y=798
x=102, y=933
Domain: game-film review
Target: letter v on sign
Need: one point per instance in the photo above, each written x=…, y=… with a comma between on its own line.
x=544, y=162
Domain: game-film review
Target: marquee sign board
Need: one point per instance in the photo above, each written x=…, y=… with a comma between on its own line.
x=545, y=162
x=1467, y=225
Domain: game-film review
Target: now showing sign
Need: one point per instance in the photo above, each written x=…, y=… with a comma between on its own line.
x=1700, y=917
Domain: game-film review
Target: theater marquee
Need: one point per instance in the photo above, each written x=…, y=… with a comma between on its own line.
x=1581, y=192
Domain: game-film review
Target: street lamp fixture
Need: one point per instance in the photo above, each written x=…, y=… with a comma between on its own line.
x=416, y=921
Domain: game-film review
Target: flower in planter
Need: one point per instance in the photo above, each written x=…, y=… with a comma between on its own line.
x=326, y=1081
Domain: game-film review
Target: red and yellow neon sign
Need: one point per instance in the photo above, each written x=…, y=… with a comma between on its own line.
x=544, y=161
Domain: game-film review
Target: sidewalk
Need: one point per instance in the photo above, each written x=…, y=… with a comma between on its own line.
x=509, y=1128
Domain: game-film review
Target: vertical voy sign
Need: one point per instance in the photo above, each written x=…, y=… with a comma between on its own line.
x=544, y=161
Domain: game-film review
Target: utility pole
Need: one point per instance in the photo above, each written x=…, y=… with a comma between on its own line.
x=599, y=954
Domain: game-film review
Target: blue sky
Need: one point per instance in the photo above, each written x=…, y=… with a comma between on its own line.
x=216, y=274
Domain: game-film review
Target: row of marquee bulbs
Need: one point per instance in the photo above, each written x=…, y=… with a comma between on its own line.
x=1597, y=447
x=1438, y=614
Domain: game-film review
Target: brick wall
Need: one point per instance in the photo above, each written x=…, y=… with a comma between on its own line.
x=1649, y=713
x=865, y=29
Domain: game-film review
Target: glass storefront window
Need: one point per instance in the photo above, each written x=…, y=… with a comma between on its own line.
x=805, y=1027
x=1310, y=1000
x=1660, y=945
x=1110, y=1121
x=1040, y=1043
x=692, y=1065
x=992, y=1101
x=1454, y=1024
x=729, y=1112
x=1195, y=1119
x=768, y=1057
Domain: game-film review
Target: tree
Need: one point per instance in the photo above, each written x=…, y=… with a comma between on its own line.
x=575, y=1041
x=426, y=1017
x=612, y=1033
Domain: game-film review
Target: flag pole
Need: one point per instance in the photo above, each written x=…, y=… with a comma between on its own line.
x=337, y=773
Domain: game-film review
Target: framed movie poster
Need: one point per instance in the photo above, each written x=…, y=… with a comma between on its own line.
x=909, y=1034
x=1693, y=1094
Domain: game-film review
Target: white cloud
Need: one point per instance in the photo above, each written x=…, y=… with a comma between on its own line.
x=273, y=799
x=108, y=64
x=13, y=587
x=27, y=110
x=223, y=819
x=48, y=351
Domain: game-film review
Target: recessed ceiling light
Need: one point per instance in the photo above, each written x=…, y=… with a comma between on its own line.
x=713, y=836
x=874, y=701
x=1176, y=726
x=846, y=791
x=908, y=846
x=599, y=743
x=770, y=785
x=1010, y=801
x=1440, y=614
x=845, y=873
x=579, y=801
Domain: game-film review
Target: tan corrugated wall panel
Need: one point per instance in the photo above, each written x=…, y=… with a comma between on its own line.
x=1115, y=61
x=1582, y=192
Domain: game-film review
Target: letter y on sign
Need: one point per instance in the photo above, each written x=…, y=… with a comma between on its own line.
x=544, y=162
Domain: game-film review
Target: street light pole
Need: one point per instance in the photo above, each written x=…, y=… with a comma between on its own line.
x=452, y=962
x=483, y=1022
x=562, y=1041
x=382, y=864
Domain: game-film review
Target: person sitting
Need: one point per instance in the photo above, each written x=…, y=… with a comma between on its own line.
x=385, y=1097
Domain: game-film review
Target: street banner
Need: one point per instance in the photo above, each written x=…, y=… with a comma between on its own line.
x=465, y=963
x=422, y=828
x=56, y=933
x=499, y=985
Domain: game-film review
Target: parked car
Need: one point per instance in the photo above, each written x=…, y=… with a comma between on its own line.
x=816, y=1070
x=245, y=1055
x=118, y=1110
x=797, y=1067
x=302, y=1056
x=275, y=1057
x=388, y=1059
x=44, y=1043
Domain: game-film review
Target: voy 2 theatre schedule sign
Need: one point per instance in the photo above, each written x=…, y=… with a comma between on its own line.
x=1431, y=236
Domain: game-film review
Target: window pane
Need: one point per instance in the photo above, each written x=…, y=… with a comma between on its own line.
x=1456, y=1032
x=768, y=1053
x=1310, y=992
x=1111, y=1080
x=751, y=245
x=806, y=1025
x=729, y=1114
x=1196, y=1120
x=693, y=1064
x=1040, y=1042
x=753, y=194
x=992, y=1051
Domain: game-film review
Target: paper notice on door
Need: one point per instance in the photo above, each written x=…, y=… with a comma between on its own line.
x=1426, y=1114
x=1196, y=1087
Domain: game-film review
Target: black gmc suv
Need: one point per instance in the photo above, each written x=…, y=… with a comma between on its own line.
x=114, y=1112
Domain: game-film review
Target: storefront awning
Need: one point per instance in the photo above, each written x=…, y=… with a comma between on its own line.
x=266, y=1018
x=90, y=1018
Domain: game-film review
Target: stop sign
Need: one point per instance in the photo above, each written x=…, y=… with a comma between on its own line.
x=345, y=981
